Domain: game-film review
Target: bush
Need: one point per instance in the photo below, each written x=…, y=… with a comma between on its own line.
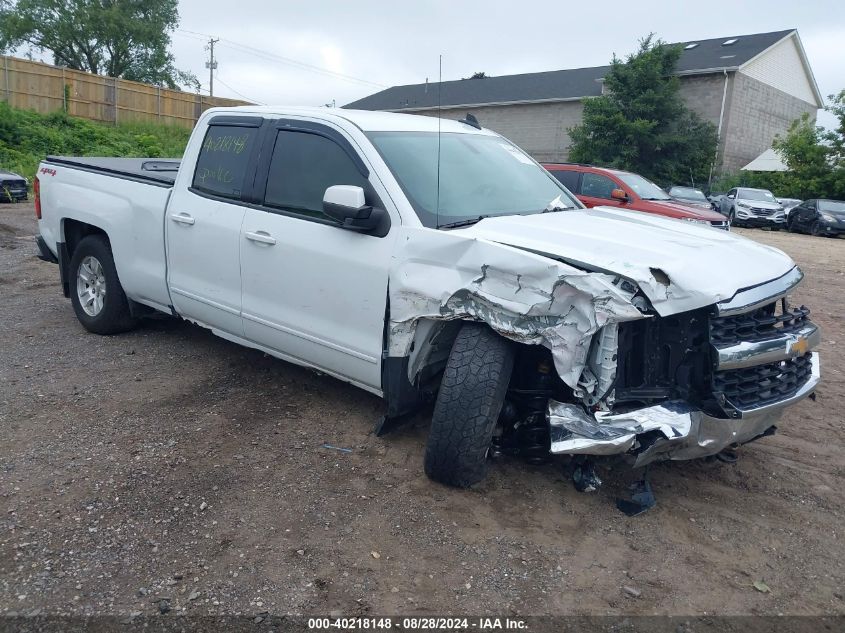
x=26, y=137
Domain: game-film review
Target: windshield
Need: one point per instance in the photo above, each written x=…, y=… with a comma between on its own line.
x=832, y=205
x=645, y=189
x=480, y=175
x=688, y=193
x=756, y=194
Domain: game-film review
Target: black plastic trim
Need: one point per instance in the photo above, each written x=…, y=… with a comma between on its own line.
x=236, y=121
x=64, y=267
x=156, y=181
x=44, y=253
x=402, y=397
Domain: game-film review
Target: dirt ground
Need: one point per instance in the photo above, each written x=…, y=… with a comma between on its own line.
x=170, y=464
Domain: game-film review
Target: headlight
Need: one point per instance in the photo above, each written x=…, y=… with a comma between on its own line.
x=828, y=218
x=742, y=203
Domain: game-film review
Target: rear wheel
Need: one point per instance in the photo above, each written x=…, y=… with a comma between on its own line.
x=96, y=294
x=470, y=399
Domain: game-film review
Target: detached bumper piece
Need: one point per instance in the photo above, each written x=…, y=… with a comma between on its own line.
x=761, y=364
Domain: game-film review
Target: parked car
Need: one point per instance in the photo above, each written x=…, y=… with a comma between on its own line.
x=788, y=204
x=689, y=195
x=715, y=200
x=744, y=206
x=818, y=217
x=13, y=187
x=596, y=186
x=327, y=238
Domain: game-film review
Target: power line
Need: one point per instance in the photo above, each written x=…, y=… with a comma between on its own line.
x=242, y=96
x=269, y=56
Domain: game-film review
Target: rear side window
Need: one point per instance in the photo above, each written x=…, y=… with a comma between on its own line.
x=222, y=161
x=568, y=179
x=302, y=167
x=597, y=186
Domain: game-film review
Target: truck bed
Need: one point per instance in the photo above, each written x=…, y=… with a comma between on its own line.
x=160, y=171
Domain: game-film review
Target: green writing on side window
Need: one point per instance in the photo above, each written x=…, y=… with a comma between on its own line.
x=226, y=143
x=217, y=174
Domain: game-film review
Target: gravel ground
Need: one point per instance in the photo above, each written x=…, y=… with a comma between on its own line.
x=169, y=468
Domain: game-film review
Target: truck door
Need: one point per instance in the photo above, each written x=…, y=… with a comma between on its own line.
x=313, y=292
x=203, y=224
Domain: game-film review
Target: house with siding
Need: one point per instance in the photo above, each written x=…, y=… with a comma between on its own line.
x=751, y=87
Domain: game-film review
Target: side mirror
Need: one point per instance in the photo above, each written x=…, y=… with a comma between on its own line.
x=730, y=196
x=346, y=204
x=619, y=194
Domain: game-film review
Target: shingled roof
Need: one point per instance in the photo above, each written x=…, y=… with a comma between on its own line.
x=713, y=55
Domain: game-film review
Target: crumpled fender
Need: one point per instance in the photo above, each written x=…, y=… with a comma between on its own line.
x=526, y=297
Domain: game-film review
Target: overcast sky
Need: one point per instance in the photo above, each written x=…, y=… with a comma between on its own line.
x=391, y=43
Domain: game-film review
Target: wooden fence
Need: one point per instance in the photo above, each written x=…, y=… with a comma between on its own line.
x=45, y=88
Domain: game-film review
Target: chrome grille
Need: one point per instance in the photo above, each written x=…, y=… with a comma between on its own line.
x=762, y=385
x=765, y=322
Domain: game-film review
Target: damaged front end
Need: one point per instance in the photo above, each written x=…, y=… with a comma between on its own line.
x=600, y=371
x=693, y=384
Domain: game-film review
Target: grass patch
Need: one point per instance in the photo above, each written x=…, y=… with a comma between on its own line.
x=26, y=137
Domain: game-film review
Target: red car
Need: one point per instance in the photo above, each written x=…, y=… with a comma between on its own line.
x=595, y=186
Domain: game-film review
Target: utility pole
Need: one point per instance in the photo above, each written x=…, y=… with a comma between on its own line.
x=211, y=64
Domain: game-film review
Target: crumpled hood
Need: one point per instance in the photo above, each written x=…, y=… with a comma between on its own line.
x=689, y=209
x=704, y=265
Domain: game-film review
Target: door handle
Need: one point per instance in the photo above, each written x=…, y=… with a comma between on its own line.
x=182, y=218
x=260, y=236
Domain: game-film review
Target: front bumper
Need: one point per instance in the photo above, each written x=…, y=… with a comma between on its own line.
x=745, y=217
x=832, y=228
x=13, y=195
x=669, y=431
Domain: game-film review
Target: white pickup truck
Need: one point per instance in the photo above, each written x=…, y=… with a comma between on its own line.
x=422, y=259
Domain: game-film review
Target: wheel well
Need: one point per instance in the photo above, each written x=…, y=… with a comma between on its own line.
x=73, y=231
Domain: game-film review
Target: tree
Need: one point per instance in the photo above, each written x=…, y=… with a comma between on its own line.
x=641, y=123
x=478, y=75
x=118, y=38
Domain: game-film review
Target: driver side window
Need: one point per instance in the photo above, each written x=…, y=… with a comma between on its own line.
x=597, y=186
x=303, y=166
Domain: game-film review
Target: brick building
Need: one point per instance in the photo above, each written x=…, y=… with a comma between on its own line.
x=751, y=87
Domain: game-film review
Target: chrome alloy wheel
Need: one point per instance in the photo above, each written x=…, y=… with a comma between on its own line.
x=91, y=286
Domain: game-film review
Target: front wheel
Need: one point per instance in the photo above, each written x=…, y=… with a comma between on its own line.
x=96, y=294
x=816, y=229
x=470, y=399
x=790, y=225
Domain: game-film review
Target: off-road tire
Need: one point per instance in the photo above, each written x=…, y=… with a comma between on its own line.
x=470, y=399
x=114, y=317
